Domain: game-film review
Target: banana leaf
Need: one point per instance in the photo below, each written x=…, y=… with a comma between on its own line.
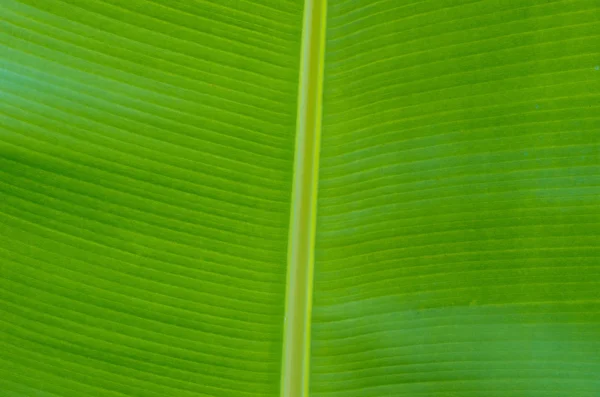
x=431, y=168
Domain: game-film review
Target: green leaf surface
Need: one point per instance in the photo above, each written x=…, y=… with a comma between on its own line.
x=457, y=244
x=145, y=176
x=154, y=156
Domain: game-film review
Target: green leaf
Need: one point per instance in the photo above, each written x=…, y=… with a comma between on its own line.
x=145, y=176
x=173, y=174
x=457, y=244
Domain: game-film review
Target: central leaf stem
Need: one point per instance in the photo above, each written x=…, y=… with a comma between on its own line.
x=298, y=305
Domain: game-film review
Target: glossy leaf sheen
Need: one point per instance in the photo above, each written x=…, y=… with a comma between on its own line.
x=146, y=167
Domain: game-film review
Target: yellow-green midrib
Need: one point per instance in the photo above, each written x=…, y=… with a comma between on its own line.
x=295, y=372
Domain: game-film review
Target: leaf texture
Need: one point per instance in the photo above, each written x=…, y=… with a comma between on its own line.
x=459, y=201
x=146, y=161
x=146, y=167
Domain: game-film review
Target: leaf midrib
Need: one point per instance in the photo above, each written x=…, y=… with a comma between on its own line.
x=298, y=304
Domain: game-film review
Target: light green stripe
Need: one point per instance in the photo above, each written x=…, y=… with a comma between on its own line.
x=296, y=346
